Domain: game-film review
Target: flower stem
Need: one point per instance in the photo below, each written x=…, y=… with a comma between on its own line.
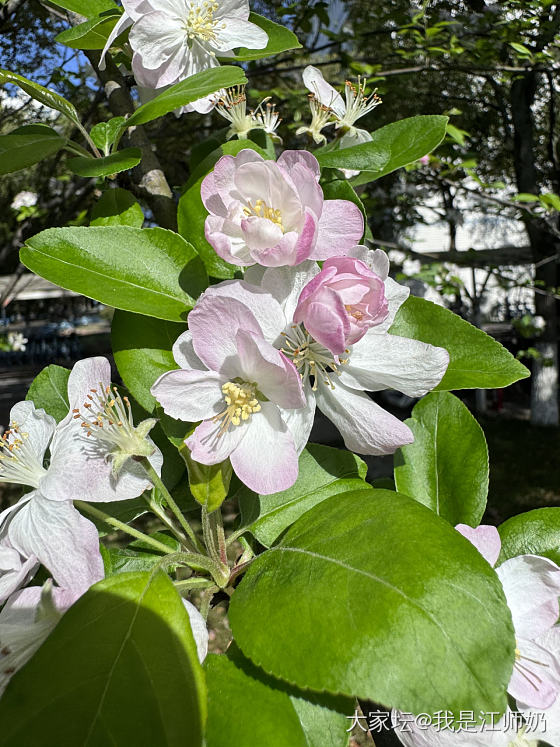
x=194, y=583
x=158, y=483
x=213, y=531
x=116, y=524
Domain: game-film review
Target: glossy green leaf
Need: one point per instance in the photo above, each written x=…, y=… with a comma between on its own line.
x=122, y=160
x=390, y=148
x=117, y=207
x=28, y=145
x=532, y=533
x=247, y=707
x=195, y=87
x=477, y=361
x=279, y=40
x=136, y=557
x=91, y=34
x=49, y=391
x=120, y=668
x=150, y=271
x=40, y=93
x=104, y=134
x=323, y=472
x=192, y=214
x=446, y=467
x=371, y=594
x=142, y=349
x=87, y=8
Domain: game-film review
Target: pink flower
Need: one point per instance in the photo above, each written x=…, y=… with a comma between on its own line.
x=236, y=383
x=273, y=213
x=341, y=303
x=531, y=585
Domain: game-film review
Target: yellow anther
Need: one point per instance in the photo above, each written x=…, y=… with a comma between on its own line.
x=261, y=210
x=241, y=404
x=200, y=21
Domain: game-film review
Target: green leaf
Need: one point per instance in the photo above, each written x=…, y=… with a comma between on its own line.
x=28, y=145
x=391, y=147
x=49, y=391
x=521, y=49
x=532, y=533
x=192, y=214
x=117, y=207
x=104, y=134
x=87, y=8
x=195, y=87
x=371, y=594
x=247, y=707
x=122, y=160
x=477, y=361
x=446, y=467
x=279, y=40
x=92, y=34
x=149, y=271
x=323, y=472
x=130, y=629
x=208, y=483
x=41, y=94
x=142, y=349
x=137, y=556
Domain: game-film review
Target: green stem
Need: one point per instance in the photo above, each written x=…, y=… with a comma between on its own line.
x=90, y=142
x=116, y=524
x=157, y=483
x=235, y=535
x=201, y=562
x=169, y=523
x=194, y=583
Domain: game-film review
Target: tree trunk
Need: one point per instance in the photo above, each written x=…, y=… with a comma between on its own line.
x=544, y=244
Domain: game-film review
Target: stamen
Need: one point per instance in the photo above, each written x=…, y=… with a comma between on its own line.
x=18, y=461
x=320, y=118
x=358, y=102
x=261, y=210
x=241, y=404
x=200, y=22
x=310, y=357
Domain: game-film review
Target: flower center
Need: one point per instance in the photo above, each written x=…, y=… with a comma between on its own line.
x=109, y=420
x=310, y=357
x=241, y=404
x=261, y=210
x=18, y=461
x=200, y=21
x=233, y=107
x=358, y=103
x=354, y=312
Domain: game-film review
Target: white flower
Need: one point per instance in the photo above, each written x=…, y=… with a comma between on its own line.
x=174, y=39
x=24, y=199
x=199, y=630
x=17, y=341
x=337, y=385
x=320, y=118
x=345, y=112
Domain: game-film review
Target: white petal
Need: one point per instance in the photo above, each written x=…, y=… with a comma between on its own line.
x=123, y=23
x=383, y=361
x=532, y=587
x=184, y=355
x=262, y=305
x=157, y=37
x=377, y=260
x=396, y=294
x=365, y=426
x=190, y=396
x=14, y=573
x=233, y=32
x=199, y=630
x=87, y=374
x=286, y=284
x=485, y=538
x=300, y=422
x=233, y=8
x=65, y=542
x=328, y=96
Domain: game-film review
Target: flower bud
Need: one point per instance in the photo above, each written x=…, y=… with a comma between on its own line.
x=341, y=303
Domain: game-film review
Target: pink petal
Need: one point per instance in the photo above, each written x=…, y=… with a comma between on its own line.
x=341, y=226
x=209, y=445
x=485, y=538
x=190, y=395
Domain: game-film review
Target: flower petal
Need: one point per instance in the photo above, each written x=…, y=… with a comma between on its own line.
x=36, y=424
x=275, y=376
x=214, y=340
x=233, y=32
x=287, y=283
x=383, y=361
x=300, y=422
x=184, y=355
x=64, y=541
x=199, y=630
x=266, y=459
x=535, y=679
x=157, y=37
x=485, y=538
x=532, y=587
x=376, y=259
x=327, y=95
x=190, y=395
x=124, y=22
x=86, y=375
x=341, y=226
x=292, y=158
x=14, y=573
x=365, y=426
x=209, y=445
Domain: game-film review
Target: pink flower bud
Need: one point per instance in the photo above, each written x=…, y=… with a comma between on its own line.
x=341, y=303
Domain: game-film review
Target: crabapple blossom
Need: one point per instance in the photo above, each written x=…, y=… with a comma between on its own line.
x=532, y=586
x=174, y=39
x=238, y=385
x=346, y=112
x=232, y=105
x=335, y=384
x=274, y=213
x=341, y=303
